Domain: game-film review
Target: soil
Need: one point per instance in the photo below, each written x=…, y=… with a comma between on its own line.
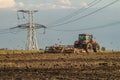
x=95, y=66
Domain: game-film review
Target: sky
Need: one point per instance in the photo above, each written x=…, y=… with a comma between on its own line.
x=52, y=13
x=47, y=4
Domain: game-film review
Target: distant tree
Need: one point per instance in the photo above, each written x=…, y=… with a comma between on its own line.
x=103, y=48
x=41, y=49
x=3, y=49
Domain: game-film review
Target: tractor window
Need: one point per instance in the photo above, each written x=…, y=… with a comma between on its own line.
x=90, y=37
x=82, y=37
x=87, y=37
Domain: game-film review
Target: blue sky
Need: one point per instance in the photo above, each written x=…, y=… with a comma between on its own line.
x=52, y=10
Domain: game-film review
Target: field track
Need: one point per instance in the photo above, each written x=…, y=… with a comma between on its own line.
x=83, y=66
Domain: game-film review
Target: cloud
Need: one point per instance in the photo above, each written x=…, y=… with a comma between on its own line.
x=65, y=2
x=55, y=4
x=84, y=4
x=20, y=4
x=7, y=3
x=41, y=6
x=46, y=6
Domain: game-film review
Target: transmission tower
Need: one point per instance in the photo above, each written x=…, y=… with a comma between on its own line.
x=31, y=27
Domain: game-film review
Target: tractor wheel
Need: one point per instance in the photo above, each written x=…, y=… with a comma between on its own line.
x=97, y=48
x=89, y=48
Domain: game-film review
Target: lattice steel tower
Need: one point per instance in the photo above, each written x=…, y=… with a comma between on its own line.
x=31, y=27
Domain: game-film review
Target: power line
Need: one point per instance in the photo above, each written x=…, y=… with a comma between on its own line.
x=81, y=10
x=7, y=31
x=91, y=28
x=87, y=14
x=4, y=31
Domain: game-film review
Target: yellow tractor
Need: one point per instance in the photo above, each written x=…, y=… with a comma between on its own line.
x=86, y=42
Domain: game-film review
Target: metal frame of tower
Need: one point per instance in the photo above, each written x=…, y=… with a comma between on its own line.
x=31, y=26
x=32, y=42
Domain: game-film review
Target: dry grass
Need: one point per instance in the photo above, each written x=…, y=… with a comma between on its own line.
x=20, y=51
x=94, y=66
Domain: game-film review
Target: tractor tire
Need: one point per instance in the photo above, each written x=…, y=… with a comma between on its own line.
x=96, y=48
x=89, y=48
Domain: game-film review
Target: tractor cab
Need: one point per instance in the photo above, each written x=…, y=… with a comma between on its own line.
x=85, y=38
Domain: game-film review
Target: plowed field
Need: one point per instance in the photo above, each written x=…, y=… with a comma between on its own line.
x=96, y=66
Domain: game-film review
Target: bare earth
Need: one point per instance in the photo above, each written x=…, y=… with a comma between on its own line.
x=95, y=66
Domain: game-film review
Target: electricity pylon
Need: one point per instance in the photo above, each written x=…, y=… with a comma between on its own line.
x=31, y=27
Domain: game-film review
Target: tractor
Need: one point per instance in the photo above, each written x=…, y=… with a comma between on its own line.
x=86, y=42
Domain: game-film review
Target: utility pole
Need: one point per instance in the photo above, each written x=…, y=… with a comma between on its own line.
x=32, y=42
x=31, y=27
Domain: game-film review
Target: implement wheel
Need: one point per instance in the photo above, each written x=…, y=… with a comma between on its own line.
x=97, y=48
x=89, y=48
